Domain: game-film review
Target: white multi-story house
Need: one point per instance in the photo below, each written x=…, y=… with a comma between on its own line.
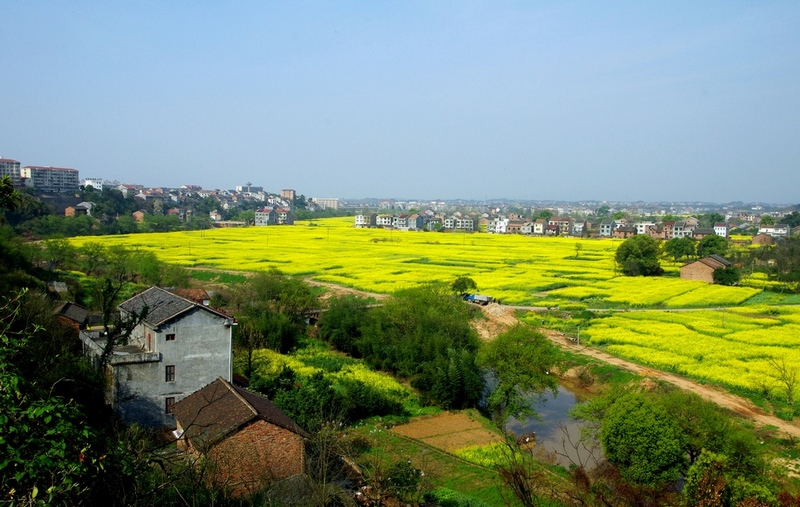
x=384, y=220
x=177, y=348
x=643, y=227
x=776, y=231
x=95, y=183
x=538, y=226
x=497, y=226
x=364, y=221
x=721, y=229
x=606, y=228
x=681, y=230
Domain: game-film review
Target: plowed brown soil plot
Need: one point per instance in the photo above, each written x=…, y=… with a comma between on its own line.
x=448, y=431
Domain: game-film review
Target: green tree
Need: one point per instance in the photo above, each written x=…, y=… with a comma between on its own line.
x=711, y=245
x=341, y=323
x=703, y=423
x=642, y=439
x=767, y=220
x=519, y=363
x=412, y=334
x=679, y=248
x=9, y=197
x=278, y=305
x=786, y=374
x=464, y=284
x=792, y=219
x=638, y=256
x=729, y=275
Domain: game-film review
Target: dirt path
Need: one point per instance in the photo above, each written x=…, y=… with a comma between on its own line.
x=345, y=291
x=503, y=317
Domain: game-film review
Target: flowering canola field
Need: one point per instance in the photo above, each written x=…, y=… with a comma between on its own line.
x=515, y=269
x=729, y=346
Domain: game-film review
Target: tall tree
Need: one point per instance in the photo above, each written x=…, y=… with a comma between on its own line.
x=711, y=245
x=638, y=256
x=643, y=440
x=519, y=363
x=679, y=248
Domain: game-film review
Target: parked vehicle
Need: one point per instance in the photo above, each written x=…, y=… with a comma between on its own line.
x=478, y=299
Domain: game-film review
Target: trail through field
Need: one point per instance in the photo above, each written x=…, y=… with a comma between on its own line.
x=503, y=317
x=345, y=291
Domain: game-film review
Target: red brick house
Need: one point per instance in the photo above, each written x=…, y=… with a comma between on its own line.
x=703, y=269
x=245, y=439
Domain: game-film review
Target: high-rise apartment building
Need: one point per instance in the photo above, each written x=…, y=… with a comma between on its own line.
x=10, y=168
x=50, y=179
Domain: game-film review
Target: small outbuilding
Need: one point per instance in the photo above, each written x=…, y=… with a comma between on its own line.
x=246, y=440
x=703, y=269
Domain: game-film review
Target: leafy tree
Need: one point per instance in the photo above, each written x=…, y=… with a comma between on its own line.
x=703, y=423
x=729, y=275
x=9, y=197
x=711, y=245
x=463, y=284
x=767, y=220
x=792, y=219
x=519, y=362
x=420, y=334
x=642, y=439
x=277, y=305
x=679, y=248
x=710, y=219
x=341, y=323
x=161, y=223
x=706, y=484
x=786, y=374
x=58, y=252
x=638, y=256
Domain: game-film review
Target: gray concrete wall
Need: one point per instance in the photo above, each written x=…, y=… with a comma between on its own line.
x=201, y=352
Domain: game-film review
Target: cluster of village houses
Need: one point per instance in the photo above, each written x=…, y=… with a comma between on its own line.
x=554, y=226
x=176, y=373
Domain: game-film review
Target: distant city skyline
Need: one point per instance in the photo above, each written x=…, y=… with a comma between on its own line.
x=553, y=101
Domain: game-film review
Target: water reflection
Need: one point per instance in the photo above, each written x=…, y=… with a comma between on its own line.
x=557, y=436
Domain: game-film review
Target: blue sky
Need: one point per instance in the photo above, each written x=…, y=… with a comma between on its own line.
x=429, y=100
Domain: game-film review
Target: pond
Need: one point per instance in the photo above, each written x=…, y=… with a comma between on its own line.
x=557, y=436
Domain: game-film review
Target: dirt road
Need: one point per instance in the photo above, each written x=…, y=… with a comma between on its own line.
x=502, y=317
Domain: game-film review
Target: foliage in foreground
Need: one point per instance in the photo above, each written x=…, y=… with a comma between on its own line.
x=422, y=335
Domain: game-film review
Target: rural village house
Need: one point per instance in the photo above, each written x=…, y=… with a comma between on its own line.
x=247, y=441
x=179, y=347
x=703, y=269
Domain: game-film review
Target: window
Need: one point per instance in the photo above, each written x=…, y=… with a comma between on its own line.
x=169, y=405
x=170, y=337
x=170, y=376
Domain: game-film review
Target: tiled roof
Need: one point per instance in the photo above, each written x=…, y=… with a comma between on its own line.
x=162, y=306
x=74, y=312
x=220, y=408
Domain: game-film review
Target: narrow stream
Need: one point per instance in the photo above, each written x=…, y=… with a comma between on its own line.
x=557, y=436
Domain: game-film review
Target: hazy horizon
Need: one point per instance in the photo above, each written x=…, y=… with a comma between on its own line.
x=560, y=101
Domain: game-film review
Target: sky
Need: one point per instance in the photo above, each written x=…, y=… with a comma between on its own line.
x=535, y=100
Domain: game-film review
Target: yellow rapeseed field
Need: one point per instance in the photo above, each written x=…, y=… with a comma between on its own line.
x=515, y=269
x=728, y=347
